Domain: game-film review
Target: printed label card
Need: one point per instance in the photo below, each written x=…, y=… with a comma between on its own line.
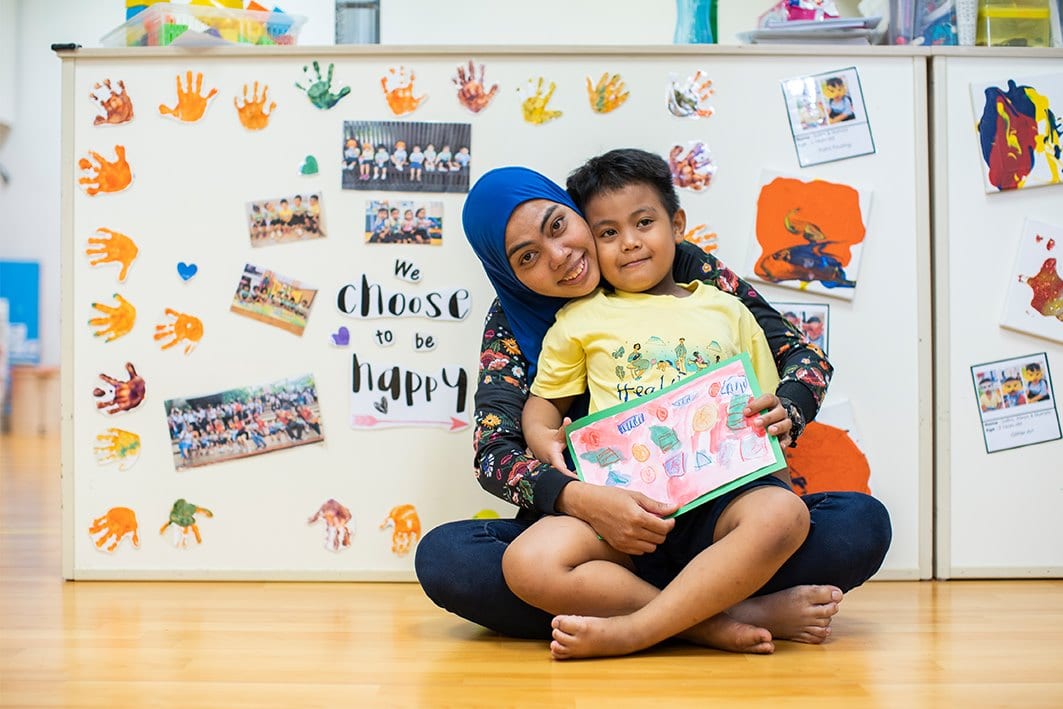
x=828, y=118
x=687, y=443
x=1035, y=293
x=1016, y=402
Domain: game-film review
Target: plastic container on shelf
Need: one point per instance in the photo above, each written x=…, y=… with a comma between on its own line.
x=162, y=23
x=1014, y=23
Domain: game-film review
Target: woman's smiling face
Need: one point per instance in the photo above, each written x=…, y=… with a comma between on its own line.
x=550, y=249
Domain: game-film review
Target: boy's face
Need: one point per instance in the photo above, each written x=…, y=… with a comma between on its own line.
x=551, y=250
x=635, y=238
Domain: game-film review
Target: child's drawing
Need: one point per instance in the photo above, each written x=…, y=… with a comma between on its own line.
x=1019, y=131
x=685, y=444
x=810, y=234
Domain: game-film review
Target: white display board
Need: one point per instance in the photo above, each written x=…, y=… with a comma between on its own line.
x=187, y=204
x=998, y=514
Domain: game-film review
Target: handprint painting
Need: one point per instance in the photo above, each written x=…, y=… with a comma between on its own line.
x=102, y=175
x=273, y=299
x=406, y=157
x=244, y=422
x=319, y=88
x=191, y=103
x=810, y=234
x=689, y=97
x=112, y=103
x=473, y=92
x=1019, y=126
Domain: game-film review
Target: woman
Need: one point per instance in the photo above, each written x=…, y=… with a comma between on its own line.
x=459, y=564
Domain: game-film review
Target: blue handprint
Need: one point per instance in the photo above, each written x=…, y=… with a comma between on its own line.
x=320, y=90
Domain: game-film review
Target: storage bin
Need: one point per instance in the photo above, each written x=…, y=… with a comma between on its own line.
x=1014, y=23
x=162, y=23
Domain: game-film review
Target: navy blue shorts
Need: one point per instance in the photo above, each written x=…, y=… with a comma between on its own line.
x=692, y=534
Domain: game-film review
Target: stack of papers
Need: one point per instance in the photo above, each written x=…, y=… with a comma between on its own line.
x=841, y=30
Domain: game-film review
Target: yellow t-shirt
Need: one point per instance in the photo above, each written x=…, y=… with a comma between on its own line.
x=625, y=345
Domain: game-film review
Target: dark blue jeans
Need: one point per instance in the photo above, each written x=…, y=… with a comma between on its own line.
x=459, y=564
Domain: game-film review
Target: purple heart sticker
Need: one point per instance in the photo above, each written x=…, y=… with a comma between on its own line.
x=186, y=270
x=342, y=337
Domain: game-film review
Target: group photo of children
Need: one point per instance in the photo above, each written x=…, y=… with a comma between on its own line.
x=238, y=423
x=296, y=217
x=810, y=319
x=269, y=297
x=406, y=157
x=1013, y=386
x=404, y=222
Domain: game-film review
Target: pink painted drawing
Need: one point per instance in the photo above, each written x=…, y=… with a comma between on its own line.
x=686, y=444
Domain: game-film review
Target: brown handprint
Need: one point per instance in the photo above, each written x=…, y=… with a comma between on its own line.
x=471, y=92
x=125, y=395
x=252, y=113
x=115, y=106
x=400, y=98
x=116, y=320
x=117, y=523
x=187, y=328
x=112, y=247
x=534, y=107
x=105, y=176
x=608, y=94
x=191, y=104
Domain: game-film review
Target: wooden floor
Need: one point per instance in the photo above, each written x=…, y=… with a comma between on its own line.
x=104, y=644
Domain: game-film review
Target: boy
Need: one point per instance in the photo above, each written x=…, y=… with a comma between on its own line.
x=839, y=105
x=726, y=549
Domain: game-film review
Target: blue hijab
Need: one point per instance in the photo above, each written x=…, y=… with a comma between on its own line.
x=488, y=207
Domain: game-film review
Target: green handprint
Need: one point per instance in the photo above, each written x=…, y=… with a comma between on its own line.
x=320, y=90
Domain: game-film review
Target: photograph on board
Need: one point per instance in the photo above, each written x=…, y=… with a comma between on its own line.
x=404, y=222
x=280, y=220
x=243, y=422
x=1016, y=402
x=404, y=156
x=268, y=297
x=811, y=319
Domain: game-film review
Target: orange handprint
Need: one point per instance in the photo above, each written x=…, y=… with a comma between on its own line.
x=534, y=107
x=701, y=237
x=608, y=95
x=117, y=445
x=105, y=176
x=191, y=104
x=117, y=523
x=184, y=327
x=400, y=98
x=253, y=114
x=124, y=396
x=471, y=92
x=115, y=106
x=112, y=247
x=117, y=320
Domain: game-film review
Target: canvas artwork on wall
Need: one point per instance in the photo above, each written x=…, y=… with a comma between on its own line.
x=1019, y=125
x=1035, y=292
x=809, y=234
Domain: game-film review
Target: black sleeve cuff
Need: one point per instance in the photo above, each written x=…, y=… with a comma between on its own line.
x=548, y=488
x=797, y=420
x=801, y=397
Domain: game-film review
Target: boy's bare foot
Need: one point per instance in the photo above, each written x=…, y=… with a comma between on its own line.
x=802, y=614
x=584, y=636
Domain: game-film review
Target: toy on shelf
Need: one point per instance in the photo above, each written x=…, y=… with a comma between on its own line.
x=158, y=24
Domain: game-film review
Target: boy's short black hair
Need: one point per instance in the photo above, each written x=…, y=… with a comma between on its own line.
x=835, y=81
x=620, y=168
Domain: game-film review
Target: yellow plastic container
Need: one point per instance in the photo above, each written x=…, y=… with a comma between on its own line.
x=1014, y=23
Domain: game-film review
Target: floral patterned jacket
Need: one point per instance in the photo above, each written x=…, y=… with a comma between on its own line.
x=502, y=463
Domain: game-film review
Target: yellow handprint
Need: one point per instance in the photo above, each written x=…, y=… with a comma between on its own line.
x=608, y=95
x=701, y=237
x=190, y=103
x=184, y=327
x=104, y=175
x=252, y=113
x=118, y=446
x=534, y=107
x=116, y=320
x=112, y=247
x=400, y=98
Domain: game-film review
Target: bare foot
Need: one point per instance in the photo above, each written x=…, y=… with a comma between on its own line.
x=802, y=614
x=583, y=636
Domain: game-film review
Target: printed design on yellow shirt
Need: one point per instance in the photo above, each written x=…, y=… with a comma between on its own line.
x=651, y=363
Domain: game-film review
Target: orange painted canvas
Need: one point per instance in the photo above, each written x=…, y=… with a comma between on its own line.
x=809, y=234
x=827, y=460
